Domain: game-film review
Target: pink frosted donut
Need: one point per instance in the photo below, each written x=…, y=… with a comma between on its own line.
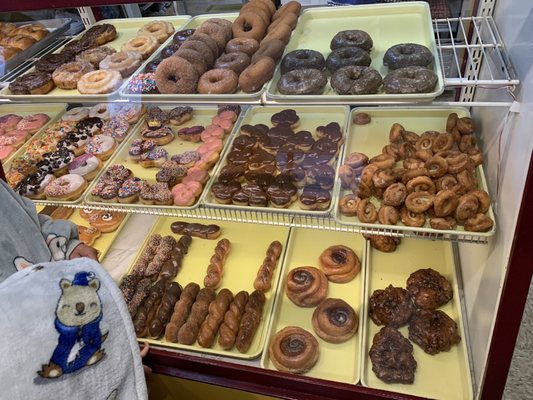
x=225, y=124
x=211, y=144
x=32, y=123
x=14, y=138
x=9, y=122
x=196, y=174
x=6, y=151
x=228, y=114
x=212, y=131
x=184, y=195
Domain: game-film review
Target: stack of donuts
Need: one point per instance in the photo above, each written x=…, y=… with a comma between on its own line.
x=333, y=320
x=221, y=57
x=58, y=163
x=14, y=39
x=435, y=179
x=15, y=130
x=90, y=66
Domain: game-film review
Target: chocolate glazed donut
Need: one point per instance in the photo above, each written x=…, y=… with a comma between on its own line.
x=302, y=81
x=347, y=56
x=303, y=58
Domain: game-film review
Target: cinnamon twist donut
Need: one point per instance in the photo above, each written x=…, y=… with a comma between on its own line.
x=294, y=350
x=188, y=332
x=232, y=319
x=250, y=321
x=339, y=263
x=306, y=286
x=181, y=311
x=335, y=321
x=213, y=279
x=217, y=310
x=263, y=280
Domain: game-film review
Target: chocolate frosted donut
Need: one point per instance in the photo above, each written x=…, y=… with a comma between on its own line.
x=347, y=56
x=36, y=82
x=351, y=38
x=182, y=36
x=176, y=75
x=50, y=62
x=170, y=50
x=410, y=80
x=304, y=58
x=302, y=81
x=406, y=55
x=356, y=80
x=237, y=62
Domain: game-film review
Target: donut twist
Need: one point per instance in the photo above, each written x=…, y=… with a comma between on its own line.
x=263, y=280
x=217, y=310
x=250, y=321
x=188, y=332
x=215, y=269
x=232, y=319
x=181, y=311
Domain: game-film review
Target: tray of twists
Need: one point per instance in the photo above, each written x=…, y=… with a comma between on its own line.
x=22, y=40
x=19, y=123
x=417, y=170
x=317, y=319
x=365, y=53
x=167, y=161
x=219, y=57
x=206, y=287
x=94, y=64
x=413, y=339
x=95, y=228
x=283, y=160
x=58, y=163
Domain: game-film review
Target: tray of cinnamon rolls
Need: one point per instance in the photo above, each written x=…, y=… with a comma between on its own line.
x=414, y=169
x=413, y=335
x=95, y=63
x=316, y=326
x=207, y=287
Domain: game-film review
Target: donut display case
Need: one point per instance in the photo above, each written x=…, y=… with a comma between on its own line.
x=211, y=279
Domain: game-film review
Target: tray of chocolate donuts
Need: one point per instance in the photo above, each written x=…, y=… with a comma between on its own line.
x=95, y=228
x=95, y=63
x=19, y=123
x=316, y=327
x=360, y=54
x=283, y=160
x=167, y=161
x=57, y=165
x=218, y=57
x=414, y=169
x=413, y=334
x=207, y=287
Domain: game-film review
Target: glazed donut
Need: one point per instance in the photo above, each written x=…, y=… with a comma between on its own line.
x=407, y=55
x=19, y=41
x=339, y=263
x=293, y=350
x=429, y=289
x=293, y=7
x=249, y=25
x=176, y=75
x=218, y=81
x=445, y=203
x=242, y=45
x=348, y=204
x=101, y=34
x=383, y=161
x=95, y=55
x=391, y=306
x=356, y=80
x=446, y=224
x=196, y=59
x=75, y=114
x=8, y=52
x=434, y=331
x=420, y=183
x=7, y=27
x=467, y=207
x=366, y=211
x=300, y=59
x=458, y=163
x=306, y=286
x=352, y=38
x=125, y=62
x=382, y=179
x=99, y=82
x=145, y=45
x=290, y=19
x=50, y=62
x=273, y=48
x=347, y=56
x=100, y=111
x=237, y=62
x=388, y=215
x=395, y=194
x=32, y=123
x=161, y=30
x=419, y=202
x=478, y=223
x=67, y=75
x=256, y=74
x=410, y=218
x=68, y=187
x=409, y=80
x=281, y=32
x=302, y=81
x=481, y=195
x=201, y=48
x=335, y=321
x=442, y=142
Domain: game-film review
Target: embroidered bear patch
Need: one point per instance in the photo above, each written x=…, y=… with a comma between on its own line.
x=77, y=320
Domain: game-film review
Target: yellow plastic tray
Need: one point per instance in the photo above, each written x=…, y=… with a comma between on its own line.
x=248, y=248
x=126, y=29
x=104, y=241
x=201, y=116
x=387, y=24
x=337, y=362
x=370, y=139
x=311, y=117
x=52, y=110
x=445, y=375
x=238, y=97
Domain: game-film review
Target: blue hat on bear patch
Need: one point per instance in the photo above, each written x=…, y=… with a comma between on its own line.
x=83, y=278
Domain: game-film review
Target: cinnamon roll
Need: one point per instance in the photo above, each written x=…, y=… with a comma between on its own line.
x=294, y=350
x=335, y=321
x=306, y=286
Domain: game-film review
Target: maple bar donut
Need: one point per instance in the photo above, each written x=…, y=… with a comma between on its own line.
x=257, y=74
x=306, y=286
x=339, y=263
x=99, y=82
x=145, y=45
x=335, y=321
x=294, y=350
x=161, y=30
x=272, y=48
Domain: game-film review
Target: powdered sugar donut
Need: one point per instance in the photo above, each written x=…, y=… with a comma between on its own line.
x=75, y=114
x=32, y=123
x=67, y=187
x=86, y=165
x=101, y=146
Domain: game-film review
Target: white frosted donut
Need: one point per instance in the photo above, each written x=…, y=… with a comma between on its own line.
x=100, y=110
x=75, y=114
x=84, y=165
x=64, y=186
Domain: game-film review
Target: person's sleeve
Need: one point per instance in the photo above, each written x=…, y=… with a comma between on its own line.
x=60, y=235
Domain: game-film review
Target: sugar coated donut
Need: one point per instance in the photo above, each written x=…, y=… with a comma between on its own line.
x=67, y=187
x=249, y=25
x=406, y=55
x=302, y=58
x=356, y=80
x=208, y=40
x=237, y=62
x=161, y=30
x=242, y=45
x=176, y=75
x=125, y=62
x=145, y=45
x=302, y=81
x=32, y=123
x=99, y=82
x=410, y=80
x=351, y=38
x=256, y=75
x=346, y=56
x=218, y=81
x=196, y=59
x=201, y=48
